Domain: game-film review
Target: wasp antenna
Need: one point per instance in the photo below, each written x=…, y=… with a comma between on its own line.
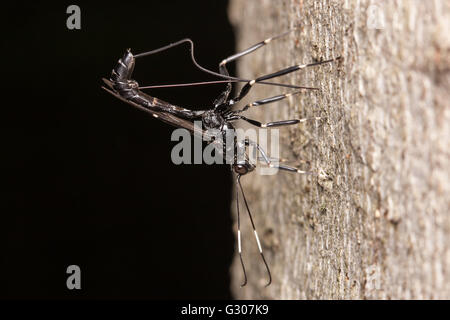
x=239, y=235
x=243, y=269
x=254, y=231
x=268, y=271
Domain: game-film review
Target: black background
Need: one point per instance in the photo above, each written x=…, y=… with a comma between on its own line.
x=87, y=179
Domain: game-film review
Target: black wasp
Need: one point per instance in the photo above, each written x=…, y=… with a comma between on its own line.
x=217, y=119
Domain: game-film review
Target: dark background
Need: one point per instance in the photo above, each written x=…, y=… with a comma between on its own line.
x=87, y=179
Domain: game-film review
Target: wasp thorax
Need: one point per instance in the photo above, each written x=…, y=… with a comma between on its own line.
x=212, y=120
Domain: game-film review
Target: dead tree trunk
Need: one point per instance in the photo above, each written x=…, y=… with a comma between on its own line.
x=379, y=227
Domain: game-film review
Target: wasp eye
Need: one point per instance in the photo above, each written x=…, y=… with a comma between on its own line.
x=240, y=169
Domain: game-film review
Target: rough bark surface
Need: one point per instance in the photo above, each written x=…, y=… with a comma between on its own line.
x=379, y=226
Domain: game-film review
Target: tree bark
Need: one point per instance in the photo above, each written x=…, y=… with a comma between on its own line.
x=378, y=227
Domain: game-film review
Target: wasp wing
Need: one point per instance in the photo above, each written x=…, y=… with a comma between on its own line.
x=164, y=116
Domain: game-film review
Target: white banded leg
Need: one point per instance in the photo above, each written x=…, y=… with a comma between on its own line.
x=269, y=161
x=275, y=123
x=272, y=99
x=254, y=47
x=223, y=63
x=246, y=88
